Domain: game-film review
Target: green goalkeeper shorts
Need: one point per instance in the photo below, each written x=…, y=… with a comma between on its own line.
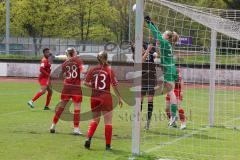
x=170, y=74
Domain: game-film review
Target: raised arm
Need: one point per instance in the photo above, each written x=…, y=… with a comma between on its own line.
x=146, y=53
x=156, y=33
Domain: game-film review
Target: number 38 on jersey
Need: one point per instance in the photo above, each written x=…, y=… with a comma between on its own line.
x=71, y=72
x=72, y=69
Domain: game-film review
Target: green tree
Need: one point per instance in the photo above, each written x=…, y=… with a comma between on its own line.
x=86, y=20
x=83, y=20
x=31, y=18
x=121, y=25
x=2, y=20
x=232, y=4
x=219, y=4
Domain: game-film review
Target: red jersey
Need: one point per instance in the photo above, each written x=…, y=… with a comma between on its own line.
x=72, y=69
x=101, y=77
x=179, y=80
x=45, y=69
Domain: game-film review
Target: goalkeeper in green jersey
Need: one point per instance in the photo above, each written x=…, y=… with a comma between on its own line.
x=166, y=42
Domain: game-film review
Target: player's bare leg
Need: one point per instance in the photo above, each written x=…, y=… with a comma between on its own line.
x=49, y=96
x=76, y=119
x=108, y=129
x=37, y=95
x=92, y=128
x=168, y=87
x=164, y=87
x=59, y=109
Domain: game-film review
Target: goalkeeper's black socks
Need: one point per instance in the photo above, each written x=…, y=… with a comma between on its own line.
x=150, y=110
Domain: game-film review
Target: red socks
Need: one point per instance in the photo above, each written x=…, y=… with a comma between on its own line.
x=57, y=115
x=92, y=128
x=76, y=118
x=49, y=96
x=108, y=133
x=181, y=115
x=180, y=112
x=39, y=94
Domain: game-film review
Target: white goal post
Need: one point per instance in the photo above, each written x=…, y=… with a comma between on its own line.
x=211, y=20
x=137, y=81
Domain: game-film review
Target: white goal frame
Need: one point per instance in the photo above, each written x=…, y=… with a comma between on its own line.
x=137, y=82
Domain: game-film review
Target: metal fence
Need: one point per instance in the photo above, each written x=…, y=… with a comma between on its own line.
x=33, y=47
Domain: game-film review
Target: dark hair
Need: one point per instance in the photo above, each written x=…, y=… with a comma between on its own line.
x=45, y=49
x=145, y=46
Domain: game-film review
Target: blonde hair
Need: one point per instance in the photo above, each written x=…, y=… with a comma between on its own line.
x=70, y=51
x=169, y=34
x=102, y=57
x=175, y=38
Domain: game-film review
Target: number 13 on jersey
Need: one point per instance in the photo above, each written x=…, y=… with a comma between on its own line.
x=100, y=81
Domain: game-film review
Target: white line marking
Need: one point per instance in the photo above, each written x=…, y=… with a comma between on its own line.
x=186, y=136
x=232, y=120
x=11, y=113
x=177, y=139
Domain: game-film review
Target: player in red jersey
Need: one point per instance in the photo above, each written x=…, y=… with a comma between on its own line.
x=44, y=79
x=71, y=70
x=178, y=91
x=100, y=78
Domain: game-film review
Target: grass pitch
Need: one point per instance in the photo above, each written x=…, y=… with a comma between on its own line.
x=24, y=133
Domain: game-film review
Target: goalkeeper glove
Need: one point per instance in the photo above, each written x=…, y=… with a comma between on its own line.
x=148, y=19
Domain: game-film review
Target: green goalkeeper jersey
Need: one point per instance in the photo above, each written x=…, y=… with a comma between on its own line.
x=167, y=59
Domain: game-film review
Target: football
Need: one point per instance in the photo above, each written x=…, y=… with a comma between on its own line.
x=134, y=7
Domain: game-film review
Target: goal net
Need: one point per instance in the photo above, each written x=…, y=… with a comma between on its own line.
x=208, y=56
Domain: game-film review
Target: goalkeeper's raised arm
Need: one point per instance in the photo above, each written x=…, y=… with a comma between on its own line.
x=156, y=33
x=166, y=37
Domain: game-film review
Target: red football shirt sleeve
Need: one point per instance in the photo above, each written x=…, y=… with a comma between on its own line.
x=43, y=64
x=79, y=63
x=113, y=78
x=43, y=68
